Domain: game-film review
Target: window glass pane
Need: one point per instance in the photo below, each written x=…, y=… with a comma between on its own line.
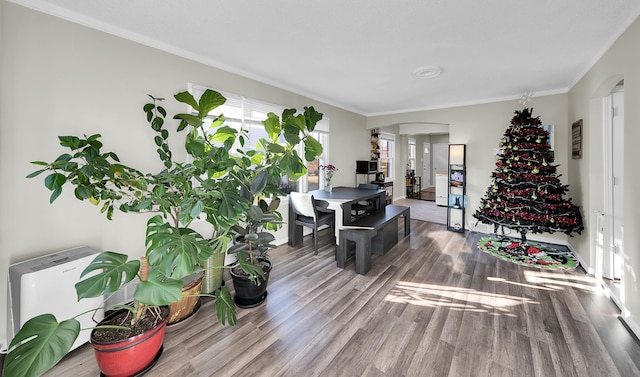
x=387, y=142
x=412, y=154
x=315, y=179
x=313, y=175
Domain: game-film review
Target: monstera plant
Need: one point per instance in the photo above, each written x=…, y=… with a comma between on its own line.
x=225, y=183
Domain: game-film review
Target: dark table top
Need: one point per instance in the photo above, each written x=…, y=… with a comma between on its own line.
x=346, y=194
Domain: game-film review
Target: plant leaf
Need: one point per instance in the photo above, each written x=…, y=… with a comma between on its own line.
x=312, y=148
x=54, y=181
x=225, y=309
x=222, y=134
x=312, y=117
x=191, y=119
x=158, y=290
x=209, y=100
x=112, y=267
x=44, y=343
x=253, y=270
x=186, y=97
x=272, y=127
x=36, y=173
x=197, y=209
x=175, y=251
x=259, y=182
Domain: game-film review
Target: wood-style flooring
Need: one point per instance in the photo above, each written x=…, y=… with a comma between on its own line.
x=432, y=306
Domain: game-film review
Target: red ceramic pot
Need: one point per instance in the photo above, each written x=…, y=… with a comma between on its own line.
x=132, y=355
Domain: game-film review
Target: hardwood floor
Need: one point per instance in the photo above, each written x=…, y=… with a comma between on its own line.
x=432, y=306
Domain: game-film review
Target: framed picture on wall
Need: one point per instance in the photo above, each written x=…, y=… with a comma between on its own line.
x=549, y=129
x=576, y=139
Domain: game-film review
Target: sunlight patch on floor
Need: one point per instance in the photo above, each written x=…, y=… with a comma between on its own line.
x=440, y=241
x=559, y=281
x=503, y=280
x=455, y=298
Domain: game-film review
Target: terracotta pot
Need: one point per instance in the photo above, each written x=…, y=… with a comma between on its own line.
x=133, y=355
x=247, y=293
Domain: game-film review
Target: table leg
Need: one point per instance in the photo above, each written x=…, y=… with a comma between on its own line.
x=295, y=231
x=407, y=221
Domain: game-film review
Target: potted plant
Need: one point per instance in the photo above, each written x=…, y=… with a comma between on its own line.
x=260, y=187
x=251, y=244
x=209, y=188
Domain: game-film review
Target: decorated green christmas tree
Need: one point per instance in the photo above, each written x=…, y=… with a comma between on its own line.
x=526, y=194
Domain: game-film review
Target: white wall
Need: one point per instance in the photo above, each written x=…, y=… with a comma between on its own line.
x=621, y=61
x=59, y=78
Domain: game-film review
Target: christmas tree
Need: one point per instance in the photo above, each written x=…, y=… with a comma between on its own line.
x=526, y=194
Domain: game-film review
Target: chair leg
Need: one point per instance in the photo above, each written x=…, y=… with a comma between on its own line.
x=332, y=228
x=315, y=240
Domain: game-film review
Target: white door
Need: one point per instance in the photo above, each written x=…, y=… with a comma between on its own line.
x=609, y=261
x=426, y=165
x=617, y=160
x=440, y=157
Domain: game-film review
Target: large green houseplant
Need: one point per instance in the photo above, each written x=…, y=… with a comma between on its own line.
x=225, y=183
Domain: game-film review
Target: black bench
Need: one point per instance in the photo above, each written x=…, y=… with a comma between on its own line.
x=376, y=233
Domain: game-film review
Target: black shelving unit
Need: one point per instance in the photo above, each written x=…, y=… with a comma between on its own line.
x=367, y=178
x=388, y=187
x=457, y=187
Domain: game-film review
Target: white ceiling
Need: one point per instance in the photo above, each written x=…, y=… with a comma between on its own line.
x=360, y=54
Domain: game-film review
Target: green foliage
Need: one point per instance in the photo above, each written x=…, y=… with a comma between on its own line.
x=158, y=290
x=115, y=271
x=232, y=188
x=45, y=343
x=225, y=308
x=251, y=268
x=175, y=252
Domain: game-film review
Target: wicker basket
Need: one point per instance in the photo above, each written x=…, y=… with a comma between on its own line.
x=183, y=308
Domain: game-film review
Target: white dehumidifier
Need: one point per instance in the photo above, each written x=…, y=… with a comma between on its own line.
x=47, y=285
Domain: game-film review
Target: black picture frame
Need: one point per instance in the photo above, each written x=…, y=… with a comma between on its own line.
x=576, y=139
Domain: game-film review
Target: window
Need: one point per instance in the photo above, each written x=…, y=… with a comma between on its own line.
x=312, y=180
x=246, y=113
x=412, y=154
x=387, y=142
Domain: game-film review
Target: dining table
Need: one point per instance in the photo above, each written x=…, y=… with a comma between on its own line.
x=340, y=199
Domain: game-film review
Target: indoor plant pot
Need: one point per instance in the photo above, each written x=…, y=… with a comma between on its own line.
x=251, y=244
x=213, y=273
x=248, y=292
x=187, y=306
x=133, y=355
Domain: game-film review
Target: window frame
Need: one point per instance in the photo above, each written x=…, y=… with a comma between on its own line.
x=411, y=151
x=387, y=153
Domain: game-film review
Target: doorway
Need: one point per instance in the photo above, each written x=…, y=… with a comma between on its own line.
x=613, y=230
x=426, y=165
x=440, y=157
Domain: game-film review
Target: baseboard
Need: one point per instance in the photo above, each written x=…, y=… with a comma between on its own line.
x=588, y=269
x=631, y=326
x=624, y=317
